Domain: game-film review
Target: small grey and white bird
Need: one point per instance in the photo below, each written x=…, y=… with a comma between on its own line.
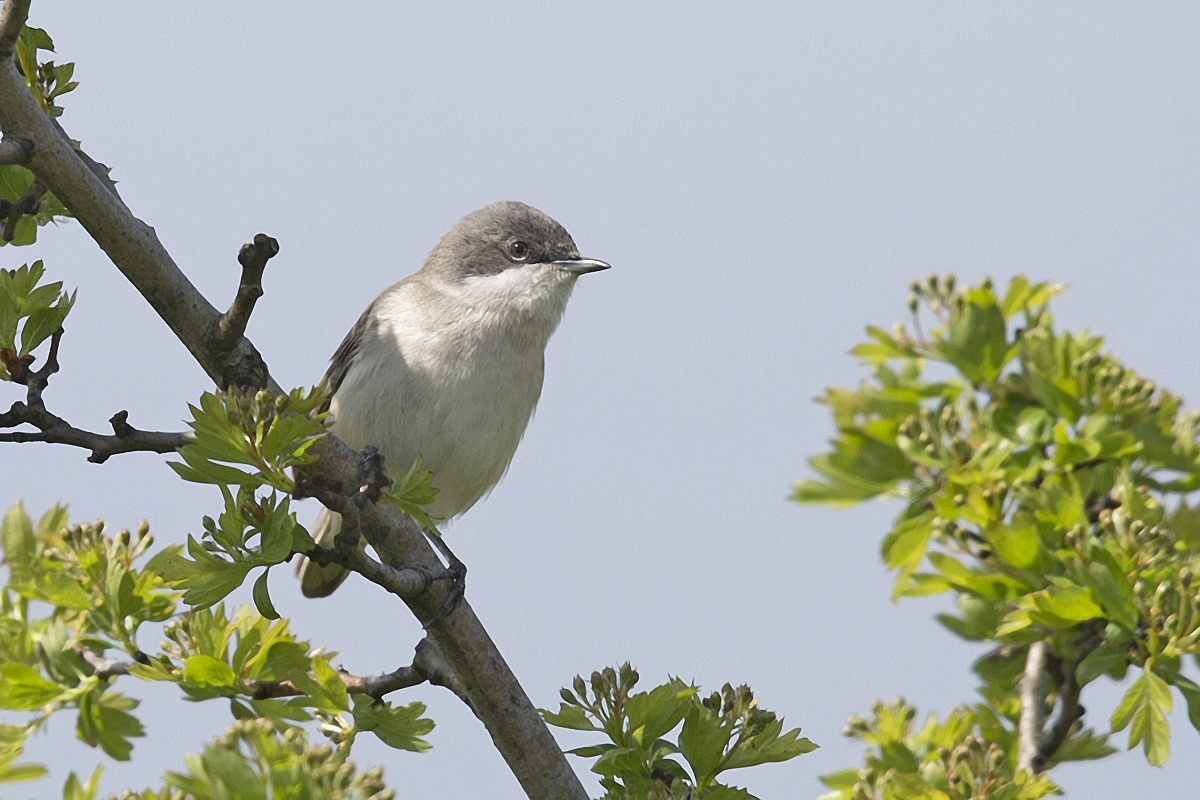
x=447, y=364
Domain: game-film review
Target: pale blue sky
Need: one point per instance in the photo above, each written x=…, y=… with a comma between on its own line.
x=765, y=178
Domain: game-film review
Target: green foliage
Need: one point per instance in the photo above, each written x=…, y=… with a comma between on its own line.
x=98, y=598
x=1045, y=484
x=726, y=730
x=98, y=601
x=47, y=81
x=413, y=491
x=258, y=759
x=960, y=758
x=267, y=434
x=245, y=444
x=32, y=310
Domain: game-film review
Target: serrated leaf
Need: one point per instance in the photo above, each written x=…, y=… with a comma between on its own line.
x=205, y=670
x=572, y=717
x=1144, y=709
x=400, y=727
x=702, y=742
x=1016, y=543
x=22, y=688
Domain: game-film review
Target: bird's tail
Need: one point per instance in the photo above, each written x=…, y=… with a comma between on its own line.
x=317, y=580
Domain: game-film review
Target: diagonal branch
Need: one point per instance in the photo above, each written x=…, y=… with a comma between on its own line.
x=12, y=19
x=131, y=244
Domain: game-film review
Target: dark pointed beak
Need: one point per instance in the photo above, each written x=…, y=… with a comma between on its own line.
x=581, y=266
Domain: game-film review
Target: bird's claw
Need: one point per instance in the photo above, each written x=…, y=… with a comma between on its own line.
x=456, y=573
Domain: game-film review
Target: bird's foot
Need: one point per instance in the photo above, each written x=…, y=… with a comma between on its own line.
x=372, y=479
x=456, y=573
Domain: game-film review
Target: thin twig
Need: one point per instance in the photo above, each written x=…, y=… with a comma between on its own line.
x=375, y=686
x=1069, y=713
x=54, y=429
x=348, y=550
x=253, y=257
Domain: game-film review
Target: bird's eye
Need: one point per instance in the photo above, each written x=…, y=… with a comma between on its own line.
x=518, y=251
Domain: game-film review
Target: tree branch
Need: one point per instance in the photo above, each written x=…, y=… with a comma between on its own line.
x=425, y=667
x=14, y=151
x=1033, y=706
x=54, y=429
x=12, y=19
x=131, y=244
x=1069, y=712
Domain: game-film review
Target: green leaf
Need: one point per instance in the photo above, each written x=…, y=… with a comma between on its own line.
x=767, y=746
x=978, y=344
x=206, y=579
x=280, y=659
x=1016, y=543
x=21, y=772
x=572, y=717
x=276, y=538
x=262, y=597
x=1113, y=588
x=1191, y=694
x=20, y=545
x=104, y=720
x=1145, y=709
x=401, y=727
x=208, y=671
x=22, y=688
x=1104, y=659
x=702, y=742
x=1072, y=603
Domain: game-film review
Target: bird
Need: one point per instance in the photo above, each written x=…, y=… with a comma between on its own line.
x=447, y=365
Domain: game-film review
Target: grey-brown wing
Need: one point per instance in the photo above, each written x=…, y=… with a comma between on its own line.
x=347, y=352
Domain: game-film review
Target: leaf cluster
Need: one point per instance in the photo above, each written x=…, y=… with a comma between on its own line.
x=959, y=758
x=724, y=731
x=98, y=598
x=46, y=80
x=30, y=313
x=1045, y=484
x=256, y=760
x=244, y=443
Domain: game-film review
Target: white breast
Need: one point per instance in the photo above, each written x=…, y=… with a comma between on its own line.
x=453, y=376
